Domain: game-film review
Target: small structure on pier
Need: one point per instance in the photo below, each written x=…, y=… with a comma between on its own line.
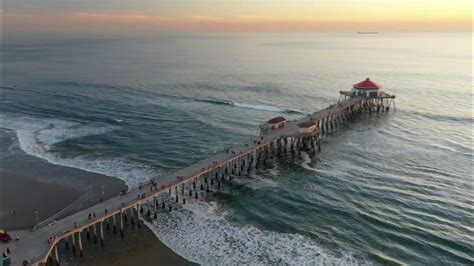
x=129, y=209
x=367, y=88
x=307, y=127
x=274, y=123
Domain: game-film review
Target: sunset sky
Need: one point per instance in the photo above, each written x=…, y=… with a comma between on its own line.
x=233, y=15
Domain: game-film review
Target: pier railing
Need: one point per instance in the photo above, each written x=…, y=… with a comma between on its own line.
x=218, y=167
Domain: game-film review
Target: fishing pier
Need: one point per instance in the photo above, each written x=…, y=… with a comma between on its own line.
x=40, y=245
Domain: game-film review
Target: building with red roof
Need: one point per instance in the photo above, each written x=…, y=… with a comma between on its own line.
x=367, y=88
x=307, y=127
x=276, y=122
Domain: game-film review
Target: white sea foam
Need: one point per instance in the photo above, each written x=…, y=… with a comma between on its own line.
x=200, y=232
x=256, y=181
x=306, y=164
x=36, y=136
x=62, y=131
x=323, y=168
x=261, y=107
x=268, y=108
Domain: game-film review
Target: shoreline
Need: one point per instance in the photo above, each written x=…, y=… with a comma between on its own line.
x=45, y=200
x=139, y=246
x=28, y=183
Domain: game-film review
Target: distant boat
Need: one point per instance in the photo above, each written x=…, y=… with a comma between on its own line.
x=367, y=32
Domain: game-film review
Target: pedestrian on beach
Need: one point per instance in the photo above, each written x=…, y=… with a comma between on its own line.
x=8, y=251
x=105, y=211
x=76, y=225
x=17, y=238
x=14, y=211
x=93, y=215
x=90, y=216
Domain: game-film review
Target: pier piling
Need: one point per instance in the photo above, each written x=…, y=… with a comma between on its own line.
x=79, y=241
x=303, y=135
x=101, y=233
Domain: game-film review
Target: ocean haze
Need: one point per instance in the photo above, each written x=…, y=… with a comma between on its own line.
x=393, y=187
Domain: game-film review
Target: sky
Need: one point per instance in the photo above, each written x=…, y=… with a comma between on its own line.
x=235, y=15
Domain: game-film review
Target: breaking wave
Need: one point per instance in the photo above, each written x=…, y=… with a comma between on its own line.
x=261, y=107
x=36, y=137
x=200, y=232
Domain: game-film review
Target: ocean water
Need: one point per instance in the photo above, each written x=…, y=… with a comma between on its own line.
x=389, y=188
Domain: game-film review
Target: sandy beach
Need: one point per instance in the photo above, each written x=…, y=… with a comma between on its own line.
x=139, y=247
x=56, y=191
x=24, y=196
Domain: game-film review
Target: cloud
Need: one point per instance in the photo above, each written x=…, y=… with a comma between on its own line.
x=139, y=22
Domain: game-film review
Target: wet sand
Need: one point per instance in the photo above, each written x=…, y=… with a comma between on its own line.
x=139, y=247
x=28, y=183
x=26, y=196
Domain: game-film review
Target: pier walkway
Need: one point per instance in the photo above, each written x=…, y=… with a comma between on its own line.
x=38, y=246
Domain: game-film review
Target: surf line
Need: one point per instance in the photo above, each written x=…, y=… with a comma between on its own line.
x=128, y=210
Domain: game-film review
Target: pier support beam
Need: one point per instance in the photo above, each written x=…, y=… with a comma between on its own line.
x=139, y=209
x=73, y=244
x=114, y=228
x=95, y=233
x=101, y=224
x=163, y=200
x=176, y=193
x=121, y=223
x=56, y=255
x=79, y=242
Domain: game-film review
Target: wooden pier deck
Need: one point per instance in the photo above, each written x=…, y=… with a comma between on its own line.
x=35, y=248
